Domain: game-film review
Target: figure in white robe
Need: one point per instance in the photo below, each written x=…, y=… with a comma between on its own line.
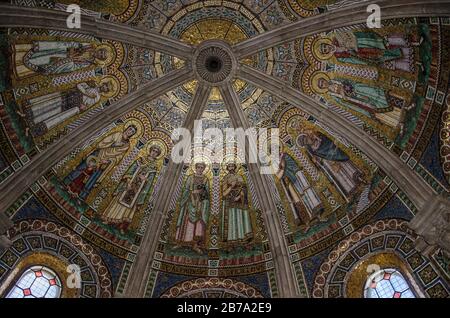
x=194, y=211
x=133, y=191
x=236, y=225
x=48, y=111
x=305, y=202
x=55, y=57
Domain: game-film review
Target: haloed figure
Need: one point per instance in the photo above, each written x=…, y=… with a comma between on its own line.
x=194, y=211
x=236, y=224
x=80, y=179
x=393, y=51
x=56, y=57
x=133, y=191
x=48, y=111
x=333, y=161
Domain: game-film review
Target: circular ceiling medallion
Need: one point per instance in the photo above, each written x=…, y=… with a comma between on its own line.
x=214, y=63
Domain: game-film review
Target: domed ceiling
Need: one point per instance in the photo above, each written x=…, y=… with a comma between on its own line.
x=117, y=189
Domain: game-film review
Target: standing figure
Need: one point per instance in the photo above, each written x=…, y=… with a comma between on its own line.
x=79, y=180
x=305, y=202
x=108, y=153
x=336, y=165
x=194, y=211
x=47, y=111
x=133, y=191
x=56, y=57
x=369, y=48
x=111, y=149
x=236, y=224
x=360, y=97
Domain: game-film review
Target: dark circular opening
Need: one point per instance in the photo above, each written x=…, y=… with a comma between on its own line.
x=213, y=64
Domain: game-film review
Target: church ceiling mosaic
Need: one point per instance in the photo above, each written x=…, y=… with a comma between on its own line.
x=97, y=201
x=395, y=97
x=60, y=80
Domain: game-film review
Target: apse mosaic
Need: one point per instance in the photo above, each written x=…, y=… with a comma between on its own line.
x=214, y=241
x=383, y=80
x=386, y=81
x=58, y=81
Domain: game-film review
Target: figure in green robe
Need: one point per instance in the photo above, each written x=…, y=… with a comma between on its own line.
x=360, y=97
x=369, y=48
x=236, y=225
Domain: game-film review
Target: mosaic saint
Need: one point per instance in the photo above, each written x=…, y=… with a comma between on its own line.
x=358, y=96
x=133, y=190
x=305, y=202
x=392, y=52
x=98, y=164
x=194, y=210
x=48, y=111
x=236, y=223
x=58, y=57
x=335, y=164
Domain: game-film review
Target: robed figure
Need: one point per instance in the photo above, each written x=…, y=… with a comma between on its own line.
x=194, y=211
x=305, y=203
x=133, y=191
x=56, y=57
x=107, y=154
x=48, y=111
x=236, y=225
x=334, y=162
x=360, y=97
x=369, y=48
x=79, y=182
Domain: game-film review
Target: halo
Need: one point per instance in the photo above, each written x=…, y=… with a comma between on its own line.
x=204, y=159
x=316, y=49
x=110, y=54
x=161, y=145
x=315, y=82
x=115, y=86
x=233, y=158
x=137, y=123
x=297, y=139
x=92, y=157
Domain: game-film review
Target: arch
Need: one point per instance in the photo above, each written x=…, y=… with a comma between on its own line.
x=44, y=243
x=36, y=282
x=212, y=287
x=381, y=245
x=387, y=283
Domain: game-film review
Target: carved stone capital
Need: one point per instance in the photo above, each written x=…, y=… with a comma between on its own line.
x=432, y=225
x=5, y=243
x=5, y=224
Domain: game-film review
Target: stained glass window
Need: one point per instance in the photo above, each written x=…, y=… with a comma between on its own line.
x=387, y=283
x=36, y=282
